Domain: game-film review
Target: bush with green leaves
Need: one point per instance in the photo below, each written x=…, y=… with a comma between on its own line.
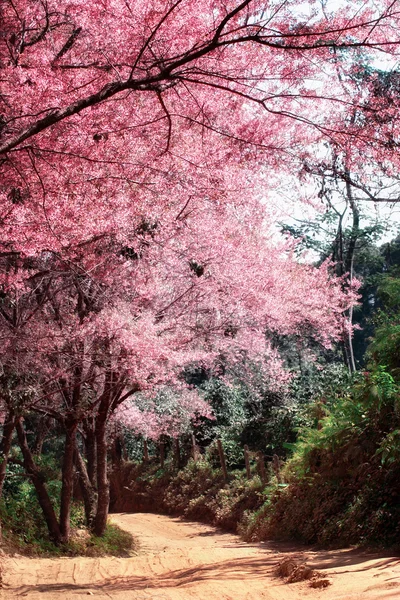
x=23, y=526
x=344, y=476
x=22, y=517
x=385, y=346
x=198, y=491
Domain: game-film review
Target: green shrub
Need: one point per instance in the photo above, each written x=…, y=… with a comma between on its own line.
x=114, y=542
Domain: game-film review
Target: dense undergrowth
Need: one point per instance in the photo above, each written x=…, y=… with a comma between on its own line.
x=340, y=486
x=342, y=482
x=197, y=492
x=31, y=539
x=24, y=530
x=344, y=478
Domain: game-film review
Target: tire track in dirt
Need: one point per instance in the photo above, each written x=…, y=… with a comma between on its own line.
x=180, y=560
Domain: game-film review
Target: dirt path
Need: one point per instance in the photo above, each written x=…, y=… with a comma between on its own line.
x=181, y=560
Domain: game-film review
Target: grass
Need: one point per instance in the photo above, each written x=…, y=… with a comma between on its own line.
x=114, y=542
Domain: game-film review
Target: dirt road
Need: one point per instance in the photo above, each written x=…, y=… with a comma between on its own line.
x=179, y=560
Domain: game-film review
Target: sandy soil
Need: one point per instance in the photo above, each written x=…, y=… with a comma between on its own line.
x=183, y=560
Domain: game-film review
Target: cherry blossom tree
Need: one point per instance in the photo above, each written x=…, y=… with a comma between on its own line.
x=94, y=338
x=138, y=141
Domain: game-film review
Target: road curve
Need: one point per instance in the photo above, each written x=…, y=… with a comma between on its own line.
x=180, y=560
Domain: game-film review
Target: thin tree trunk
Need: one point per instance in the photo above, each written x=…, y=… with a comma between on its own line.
x=222, y=459
x=276, y=466
x=195, y=453
x=67, y=479
x=117, y=452
x=261, y=467
x=123, y=447
x=43, y=428
x=177, y=453
x=5, y=447
x=103, y=487
x=247, y=462
x=145, y=452
x=162, y=453
x=111, y=396
x=91, y=454
x=88, y=491
x=39, y=485
x=355, y=232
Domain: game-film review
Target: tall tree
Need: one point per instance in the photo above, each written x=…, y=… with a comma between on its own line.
x=95, y=337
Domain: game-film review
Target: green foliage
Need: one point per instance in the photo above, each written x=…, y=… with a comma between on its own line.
x=389, y=448
x=385, y=347
x=320, y=380
x=366, y=410
x=344, y=476
x=248, y=412
x=192, y=491
x=197, y=491
x=114, y=542
x=227, y=403
x=22, y=517
x=25, y=531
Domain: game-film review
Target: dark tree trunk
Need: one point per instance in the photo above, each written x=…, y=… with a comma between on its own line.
x=162, y=453
x=145, y=452
x=91, y=454
x=44, y=426
x=67, y=479
x=177, y=454
x=109, y=400
x=222, y=460
x=123, y=447
x=247, y=462
x=88, y=491
x=5, y=446
x=39, y=485
x=103, y=486
x=117, y=451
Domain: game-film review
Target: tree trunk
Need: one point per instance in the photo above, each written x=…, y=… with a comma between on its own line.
x=43, y=428
x=276, y=466
x=91, y=454
x=222, y=459
x=162, y=453
x=67, y=479
x=5, y=446
x=103, y=486
x=145, y=452
x=88, y=491
x=117, y=451
x=349, y=266
x=261, y=467
x=247, y=462
x=177, y=454
x=39, y=485
x=195, y=453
